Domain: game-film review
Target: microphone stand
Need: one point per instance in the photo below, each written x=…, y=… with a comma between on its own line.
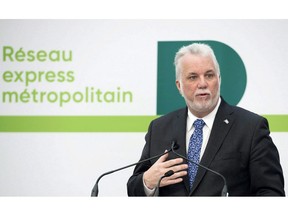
x=95, y=189
x=167, y=174
x=224, y=190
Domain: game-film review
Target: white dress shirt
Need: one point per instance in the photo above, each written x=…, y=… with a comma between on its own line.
x=209, y=120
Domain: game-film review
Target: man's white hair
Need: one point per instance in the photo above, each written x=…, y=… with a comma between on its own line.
x=200, y=49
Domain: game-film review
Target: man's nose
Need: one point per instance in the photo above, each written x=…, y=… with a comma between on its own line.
x=202, y=82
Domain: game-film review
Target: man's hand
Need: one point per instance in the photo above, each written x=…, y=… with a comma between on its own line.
x=160, y=167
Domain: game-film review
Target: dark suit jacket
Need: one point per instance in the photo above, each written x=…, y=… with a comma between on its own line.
x=241, y=150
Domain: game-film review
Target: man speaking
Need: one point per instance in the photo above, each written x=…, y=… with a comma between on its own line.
x=217, y=144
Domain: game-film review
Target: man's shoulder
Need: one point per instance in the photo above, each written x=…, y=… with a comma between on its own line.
x=172, y=115
x=242, y=113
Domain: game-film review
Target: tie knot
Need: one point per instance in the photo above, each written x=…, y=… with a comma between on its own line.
x=199, y=124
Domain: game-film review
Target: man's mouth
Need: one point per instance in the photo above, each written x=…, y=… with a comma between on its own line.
x=202, y=95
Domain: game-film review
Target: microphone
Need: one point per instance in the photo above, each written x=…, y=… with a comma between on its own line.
x=167, y=174
x=175, y=146
x=95, y=189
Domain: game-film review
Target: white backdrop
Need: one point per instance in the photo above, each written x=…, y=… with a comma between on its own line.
x=120, y=53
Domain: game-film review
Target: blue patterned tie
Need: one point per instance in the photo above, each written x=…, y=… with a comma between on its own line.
x=194, y=149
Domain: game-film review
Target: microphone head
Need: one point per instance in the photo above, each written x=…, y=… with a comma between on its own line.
x=175, y=146
x=169, y=173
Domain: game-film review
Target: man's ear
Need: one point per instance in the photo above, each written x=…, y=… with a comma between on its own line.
x=178, y=85
x=219, y=80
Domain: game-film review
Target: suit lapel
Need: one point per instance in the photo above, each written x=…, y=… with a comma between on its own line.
x=221, y=126
x=180, y=136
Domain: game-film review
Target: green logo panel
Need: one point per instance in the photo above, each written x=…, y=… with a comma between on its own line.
x=233, y=74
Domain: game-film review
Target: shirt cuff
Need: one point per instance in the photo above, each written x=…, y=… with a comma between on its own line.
x=148, y=191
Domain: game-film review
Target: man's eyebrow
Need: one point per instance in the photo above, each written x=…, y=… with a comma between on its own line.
x=211, y=70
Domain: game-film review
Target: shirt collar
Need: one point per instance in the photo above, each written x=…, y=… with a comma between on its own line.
x=209, y=119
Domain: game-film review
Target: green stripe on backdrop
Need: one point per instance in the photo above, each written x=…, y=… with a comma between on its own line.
x=277, y=123
x=75, y=123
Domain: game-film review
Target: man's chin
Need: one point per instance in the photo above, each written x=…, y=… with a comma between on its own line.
x=202, y=107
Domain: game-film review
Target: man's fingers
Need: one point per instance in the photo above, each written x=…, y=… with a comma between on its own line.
x=173, y=162
x=174, y=179
x=163, y=158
